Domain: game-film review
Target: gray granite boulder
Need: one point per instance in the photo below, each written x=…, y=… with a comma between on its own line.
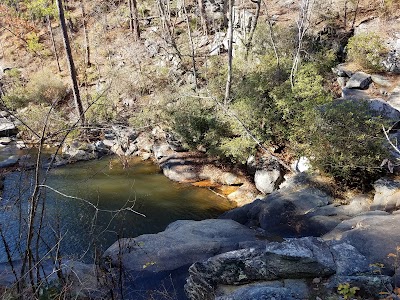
x=387, y=195
x=293, y=259
x=289, y=212
x=182, y=243
x=9, y=162
x=354, y=94
x=359, y=80
x=149, y=260
x=374, y=234
x=264, y=291
x=7, y=128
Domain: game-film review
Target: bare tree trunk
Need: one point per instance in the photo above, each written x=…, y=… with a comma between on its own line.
x=191, y=46
x=230, y=46
x=168, y=30
x=72, y=71
x=53, y=43
x=355, y=15
x=134, y=19
x=130, y=15
x=136, y=28
x=271, y=36
x=225, y=9
x=303, y=24
x=203, y=16
x=253, y=27
x=85, y=34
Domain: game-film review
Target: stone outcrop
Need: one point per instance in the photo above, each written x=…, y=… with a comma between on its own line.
x=7, y=127
x=171, y=252
x=374, y=234
x=387, y=195
x=182, y=243
x=359, y=80
x=293, y=211
x=284, y=270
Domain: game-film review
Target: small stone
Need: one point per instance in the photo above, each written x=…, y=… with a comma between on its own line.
x=5, y=140
x=316, y=280
x=145, y=155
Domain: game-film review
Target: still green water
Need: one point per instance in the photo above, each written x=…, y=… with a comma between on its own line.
x=109, y=186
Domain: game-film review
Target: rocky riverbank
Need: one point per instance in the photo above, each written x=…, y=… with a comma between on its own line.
x=296, y=243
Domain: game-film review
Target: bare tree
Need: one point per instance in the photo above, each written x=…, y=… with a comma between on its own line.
x=271, y=35
x=203, y=16
x=85, y=34
x=253, y=27
x=71, y=65
x=230, y=52
x=191, y=46
x=303, y=23
x=134, y=19
x=168, y=27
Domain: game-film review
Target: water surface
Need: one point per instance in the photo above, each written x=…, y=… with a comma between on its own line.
x=109, y=186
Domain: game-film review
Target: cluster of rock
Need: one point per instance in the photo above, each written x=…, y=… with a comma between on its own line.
x=8, y=140
x=296, y=243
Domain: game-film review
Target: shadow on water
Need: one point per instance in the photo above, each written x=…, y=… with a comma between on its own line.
x=109, y=186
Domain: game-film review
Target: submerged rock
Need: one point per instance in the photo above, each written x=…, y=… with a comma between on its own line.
x=9, y=162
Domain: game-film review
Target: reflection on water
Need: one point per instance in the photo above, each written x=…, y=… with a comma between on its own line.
x=110, y=187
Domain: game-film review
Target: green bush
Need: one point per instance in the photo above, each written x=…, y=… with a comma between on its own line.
x=347, y=143
x=101, y=111
x=367, y=49
x=35, y=116
x=197, y=123
x=43, y=88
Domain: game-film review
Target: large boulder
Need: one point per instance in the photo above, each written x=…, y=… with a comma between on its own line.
x=291, y=269
x=278, y=290
x=290, y=211
x=373, y=234
x=245, y=194
x=77, y=151
x=376, y=107
x=387, y=195
x=7, y=128
x=182, y=243
x=152, y=258
x=294, y=259
x=354, y=94
x=268, y=178
x=359, y=80
x=215, y=174
x=181, y=169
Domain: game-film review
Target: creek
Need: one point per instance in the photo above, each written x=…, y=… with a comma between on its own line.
x=109, y=186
